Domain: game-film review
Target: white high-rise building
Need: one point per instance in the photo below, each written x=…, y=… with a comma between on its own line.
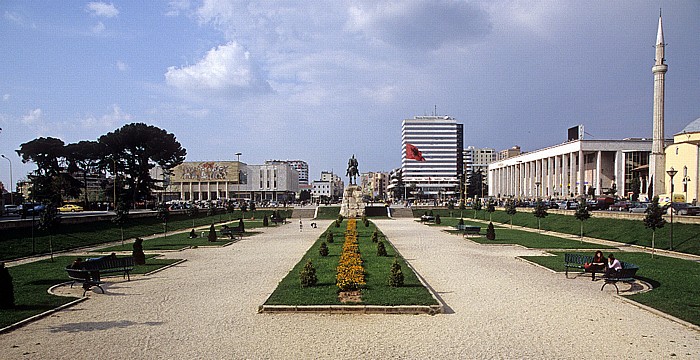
x=440, y=139
x=477, y=160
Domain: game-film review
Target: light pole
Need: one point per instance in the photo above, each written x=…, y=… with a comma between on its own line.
x=537, y=189
x=238, y=181
x=672, y=172
x=114, y=184
x=12, y=199
x=686, y=180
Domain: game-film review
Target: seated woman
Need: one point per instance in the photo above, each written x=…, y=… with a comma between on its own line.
x=597, y=265
x=613, y=266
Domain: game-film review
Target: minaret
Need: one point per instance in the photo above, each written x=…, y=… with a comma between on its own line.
x=657, y=164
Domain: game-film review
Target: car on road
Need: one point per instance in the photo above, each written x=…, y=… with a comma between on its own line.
x=31, y=209
x=620, y=206
x=11, y=209
x=681, y=208
x=70, y=208
x=639, y=208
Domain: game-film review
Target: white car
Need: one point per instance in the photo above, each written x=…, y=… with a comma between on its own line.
x=640, y=208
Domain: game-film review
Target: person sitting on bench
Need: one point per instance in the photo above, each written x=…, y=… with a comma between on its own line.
x=598, y=263
x=613, y=266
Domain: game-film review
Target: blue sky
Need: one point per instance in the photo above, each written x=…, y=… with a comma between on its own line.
x=322, y=80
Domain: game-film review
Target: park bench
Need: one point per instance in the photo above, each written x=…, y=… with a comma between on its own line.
x=232, y=232
x=278, y=220
x=577, y=261
x=110, y=265
x=427, y=218
x=91, y=270
x=468, y=229
x=626, y=274
x=85, y=277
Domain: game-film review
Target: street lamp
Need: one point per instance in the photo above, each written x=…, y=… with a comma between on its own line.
x=238, y=182
x=672, y=172
x=537, y=189
x=686, y=180
x=12, y=199
x=114, y=185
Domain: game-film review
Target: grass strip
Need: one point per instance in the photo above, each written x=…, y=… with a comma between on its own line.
x=32, y=280
x=676, y=282
x=375, y=292
x=686, y=237
x=328, y=212
x=18, y=243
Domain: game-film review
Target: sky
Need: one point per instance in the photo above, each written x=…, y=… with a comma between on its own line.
x=323, y=80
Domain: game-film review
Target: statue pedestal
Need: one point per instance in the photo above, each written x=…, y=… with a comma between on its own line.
x=352, y=205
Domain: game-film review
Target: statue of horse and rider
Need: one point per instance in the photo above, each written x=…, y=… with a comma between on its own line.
x=352, y=171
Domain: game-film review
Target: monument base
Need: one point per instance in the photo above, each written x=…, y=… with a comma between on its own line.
x=352, y=205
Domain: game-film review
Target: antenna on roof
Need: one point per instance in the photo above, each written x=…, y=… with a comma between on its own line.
x=435, y=111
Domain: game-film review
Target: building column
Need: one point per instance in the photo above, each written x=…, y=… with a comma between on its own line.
x=557, y=173
x=581, y=173
x=620, y=178
x=598, y=181
x=572, y=175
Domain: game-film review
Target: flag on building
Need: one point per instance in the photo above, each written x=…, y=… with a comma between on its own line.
x=412, y=152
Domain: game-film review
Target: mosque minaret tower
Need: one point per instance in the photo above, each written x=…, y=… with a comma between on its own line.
x=658, y=157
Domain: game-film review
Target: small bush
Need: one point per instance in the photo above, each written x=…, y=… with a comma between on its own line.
x=337, y=223
x=375, y=236
x=366, y=223
x=461, y=221
x=308, y=275
x=437, y=219
x=396, y=276
x=381, y=249
x=490, y=232
x=340, y=218
x=266, y=222
x=323, y=249
x=212, y=233
x=329, y=237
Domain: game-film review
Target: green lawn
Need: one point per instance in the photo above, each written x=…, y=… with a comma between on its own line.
x=376, y=292
x=328, y=212
x=31, y=281
x=17, y=243
x=676, y=282
x=505, y=235
x=686, y=236
x=182, y=241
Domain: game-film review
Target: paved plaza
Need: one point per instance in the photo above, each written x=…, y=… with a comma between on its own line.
x=497, y=306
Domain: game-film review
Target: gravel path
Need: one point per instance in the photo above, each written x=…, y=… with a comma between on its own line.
x=498, y=307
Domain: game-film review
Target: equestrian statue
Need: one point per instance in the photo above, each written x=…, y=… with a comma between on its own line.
x=352, y=171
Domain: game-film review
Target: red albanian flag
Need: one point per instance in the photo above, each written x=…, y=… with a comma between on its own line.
x=412, y=152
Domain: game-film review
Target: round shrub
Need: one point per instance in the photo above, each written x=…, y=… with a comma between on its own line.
x=396, y=275
x=307, y=276
x=329, y=237
x=490, y=232
x=212, y=233
x=381, y=249
x=266, y=222
x=337, y=223
x=437, y=219
x=323, y=249
x=461, y=221
x=375, y=236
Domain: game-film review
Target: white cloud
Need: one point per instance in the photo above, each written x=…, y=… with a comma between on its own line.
x=99, y=28
x=122, y=66
x=33, y=117
x=102, y=9
x=14, y=17
x=116, y=118
x=177, y=6
x=225, y=67
x=6, y=97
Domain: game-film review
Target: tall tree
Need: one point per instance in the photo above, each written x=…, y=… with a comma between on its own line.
x=476, y=184
x=654, y=220
x=51, y=180
x=490, y=208
x=137, y=148
x=582, y=214
x=84, y=157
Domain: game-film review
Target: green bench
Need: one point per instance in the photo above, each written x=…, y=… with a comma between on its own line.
x=468, y=229
x=626, y=274
x=577, y=261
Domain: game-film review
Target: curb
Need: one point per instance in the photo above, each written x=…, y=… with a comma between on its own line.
x=165, y=267
x=44, y=314
x=352, y=309
x=659, y=313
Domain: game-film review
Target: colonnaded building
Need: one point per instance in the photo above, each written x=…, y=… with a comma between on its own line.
x=570, y=169
x=219, y=180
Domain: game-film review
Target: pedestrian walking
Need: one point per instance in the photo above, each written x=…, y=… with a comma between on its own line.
x=301, y=226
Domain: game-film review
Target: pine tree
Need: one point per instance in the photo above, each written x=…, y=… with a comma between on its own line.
x=438, y=221
x=396, y=275
x=307, y=276
x=375, y=236
x=381, y=249
x=329, y=237
x=654, y=220
x=491, y=232
x=476, y=205
x=323, y=249
x=212, y=233
x=490, y=208
x=266, y=222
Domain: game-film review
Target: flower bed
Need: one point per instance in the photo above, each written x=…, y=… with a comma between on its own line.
x=350, y=272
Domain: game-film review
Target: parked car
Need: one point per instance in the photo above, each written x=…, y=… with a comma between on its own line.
x=681, y=208
x=620, y=206
x=568, y=205
x=31, y=209
x=639, y=208
x=70, y=208
x=11, y=209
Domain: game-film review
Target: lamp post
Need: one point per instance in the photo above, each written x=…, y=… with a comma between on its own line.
x=537, y=189
x=12, y=199
x=238, y=181
x=114, y=184
x=672, y=172
x=686, y=180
